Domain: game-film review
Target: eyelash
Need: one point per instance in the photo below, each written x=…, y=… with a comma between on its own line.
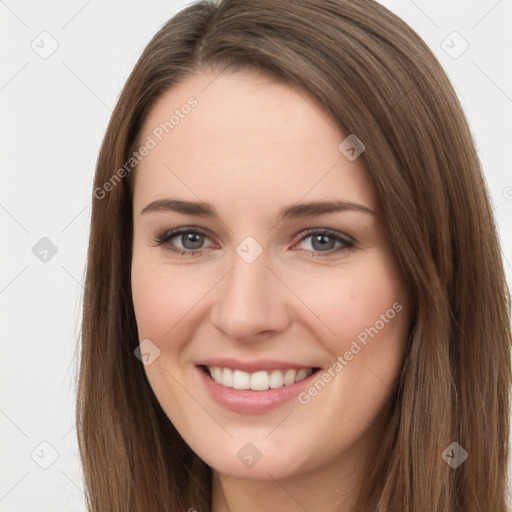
x=164, y=238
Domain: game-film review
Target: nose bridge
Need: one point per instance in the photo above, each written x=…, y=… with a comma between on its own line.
x=249, y=300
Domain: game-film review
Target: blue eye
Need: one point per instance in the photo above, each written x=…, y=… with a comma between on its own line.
x=192, y=239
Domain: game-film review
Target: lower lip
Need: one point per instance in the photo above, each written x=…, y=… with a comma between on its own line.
x=247, y=401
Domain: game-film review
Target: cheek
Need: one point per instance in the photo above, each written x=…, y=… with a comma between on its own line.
x=357, y=303
x=151, y=303
x=364, y=326
x=164, y=298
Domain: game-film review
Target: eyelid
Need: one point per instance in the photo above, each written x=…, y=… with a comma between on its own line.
x=326, y=231
x=162, y=237
x=347, y=242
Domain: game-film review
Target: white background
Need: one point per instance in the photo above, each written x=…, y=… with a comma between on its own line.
x=54, y=113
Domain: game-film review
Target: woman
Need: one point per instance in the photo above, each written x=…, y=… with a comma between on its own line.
x=295, y=298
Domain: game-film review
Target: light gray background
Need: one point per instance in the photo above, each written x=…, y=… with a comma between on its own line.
x=54, y=112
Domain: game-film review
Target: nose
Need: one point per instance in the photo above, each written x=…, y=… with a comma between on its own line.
x=251, y=301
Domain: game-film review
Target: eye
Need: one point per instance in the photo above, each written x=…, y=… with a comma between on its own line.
x=323, y=242
x=191, y=240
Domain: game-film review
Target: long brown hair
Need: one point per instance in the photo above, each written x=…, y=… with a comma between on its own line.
x=375, y=78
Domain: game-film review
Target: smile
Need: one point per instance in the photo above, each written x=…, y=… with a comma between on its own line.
x=254, y=387
x=257, y=381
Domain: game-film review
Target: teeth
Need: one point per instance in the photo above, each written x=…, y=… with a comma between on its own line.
x=227, y=378
x=241, y=380
x=289, y=377
x=216, y=373
x=258, y=381
x=301, y=374
x=276, y=379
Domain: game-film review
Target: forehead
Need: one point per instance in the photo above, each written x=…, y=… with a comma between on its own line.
x=247, y=138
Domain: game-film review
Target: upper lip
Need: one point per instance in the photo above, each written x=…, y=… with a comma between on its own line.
x=253, y=366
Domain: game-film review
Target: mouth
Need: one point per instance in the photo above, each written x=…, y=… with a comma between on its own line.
x=261, y=380
x=254, y=387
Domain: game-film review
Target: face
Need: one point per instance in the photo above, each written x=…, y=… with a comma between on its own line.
x=276, y=328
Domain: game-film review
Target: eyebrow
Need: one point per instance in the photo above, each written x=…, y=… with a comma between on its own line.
x=301, y=210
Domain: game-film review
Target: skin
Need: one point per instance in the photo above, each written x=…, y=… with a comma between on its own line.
x=251, y=146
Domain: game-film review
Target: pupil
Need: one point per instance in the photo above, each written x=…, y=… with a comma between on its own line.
x=322, y=241
x=196, y=244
